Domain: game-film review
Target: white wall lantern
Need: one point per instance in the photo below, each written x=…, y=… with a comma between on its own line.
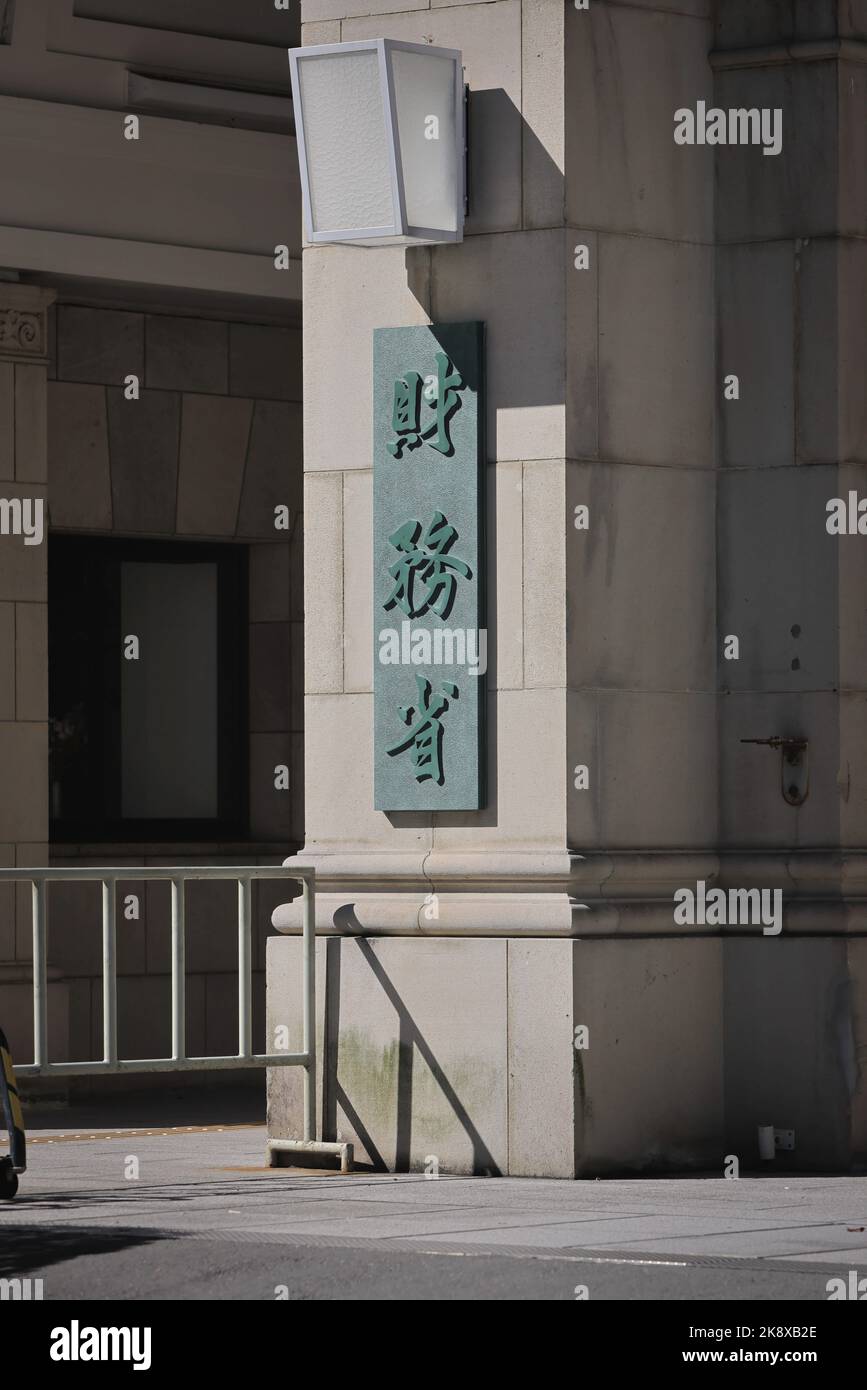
x=381, y=142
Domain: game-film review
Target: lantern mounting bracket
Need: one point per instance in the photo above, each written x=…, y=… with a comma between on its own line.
x=794, y=766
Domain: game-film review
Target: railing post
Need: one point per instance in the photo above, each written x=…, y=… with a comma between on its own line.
x=245, y=1019
x=309, y=953
x=109, y=973
x=40, y=976
x=110, y=1062
x=179, y=976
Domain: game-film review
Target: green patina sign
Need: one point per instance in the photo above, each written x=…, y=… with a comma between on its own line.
x=429, y=636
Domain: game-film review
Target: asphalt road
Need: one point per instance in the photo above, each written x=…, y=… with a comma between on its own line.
x=87, y=1264
x=190, y=1215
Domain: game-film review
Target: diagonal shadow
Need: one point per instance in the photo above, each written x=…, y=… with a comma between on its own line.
x=409, y=1038
x=28, y=1248
x=333, y=1094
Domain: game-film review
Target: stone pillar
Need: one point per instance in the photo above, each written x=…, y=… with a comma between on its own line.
x=640, y=632
x=621, y=275
x=791, y=297
x=599, y=378
x=497, y=867
x=23, y=650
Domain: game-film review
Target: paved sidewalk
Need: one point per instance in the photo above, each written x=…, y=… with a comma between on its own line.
x=204, y=1201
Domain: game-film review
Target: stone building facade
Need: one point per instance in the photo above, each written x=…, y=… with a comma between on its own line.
x=507, y=990
x=153, y=259
x=510, y=990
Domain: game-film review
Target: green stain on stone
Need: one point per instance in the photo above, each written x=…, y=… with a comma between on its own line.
x=369, y=1074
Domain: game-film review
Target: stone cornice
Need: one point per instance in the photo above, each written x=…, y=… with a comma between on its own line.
x=24, y=322
x=595, y=873
x=598, y=894
x=777, y=54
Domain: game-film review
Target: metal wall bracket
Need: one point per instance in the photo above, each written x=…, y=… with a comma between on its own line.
x=794, y=766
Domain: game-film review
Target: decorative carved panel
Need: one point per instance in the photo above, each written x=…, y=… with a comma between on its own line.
x=23, y=321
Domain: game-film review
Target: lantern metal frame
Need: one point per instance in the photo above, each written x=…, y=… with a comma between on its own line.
x=399, y=231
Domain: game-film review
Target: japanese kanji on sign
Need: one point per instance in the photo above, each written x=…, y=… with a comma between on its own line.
x=430, y=639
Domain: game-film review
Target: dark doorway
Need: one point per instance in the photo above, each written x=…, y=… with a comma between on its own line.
x=147, y=690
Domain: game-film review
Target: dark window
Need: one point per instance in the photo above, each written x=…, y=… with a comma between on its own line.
x=147, y=679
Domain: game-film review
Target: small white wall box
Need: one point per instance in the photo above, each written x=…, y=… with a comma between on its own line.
x=767, y=1148
x=381, y=131
x=773, y=1141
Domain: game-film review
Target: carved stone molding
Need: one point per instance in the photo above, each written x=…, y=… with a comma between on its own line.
x=24, y=322
x=20, y=332
x=592, y=894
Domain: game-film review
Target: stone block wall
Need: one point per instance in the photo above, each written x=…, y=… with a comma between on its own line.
x=640, y=622
x=23, y=644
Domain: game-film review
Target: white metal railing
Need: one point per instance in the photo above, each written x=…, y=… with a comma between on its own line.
x=179, y=1061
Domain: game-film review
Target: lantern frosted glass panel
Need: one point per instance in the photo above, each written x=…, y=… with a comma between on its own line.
x=424, y=94
x=348, y=169
x=380, y=130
